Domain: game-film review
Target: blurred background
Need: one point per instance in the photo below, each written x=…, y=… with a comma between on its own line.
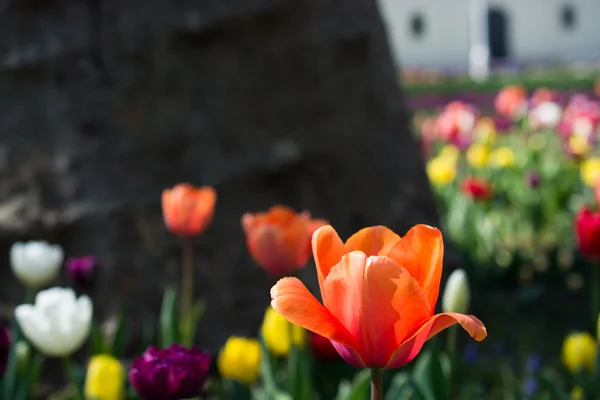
x=477, y=116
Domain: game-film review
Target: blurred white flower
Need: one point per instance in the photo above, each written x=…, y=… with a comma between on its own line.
x=457, y=294
x=546, y=114
x=58, y=323
x=36, y=263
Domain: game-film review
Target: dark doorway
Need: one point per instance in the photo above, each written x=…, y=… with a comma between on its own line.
x=497, y=33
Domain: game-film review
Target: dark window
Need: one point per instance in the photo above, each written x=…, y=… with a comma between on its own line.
x=417, y=25
x=567, y=17
x=498, y=33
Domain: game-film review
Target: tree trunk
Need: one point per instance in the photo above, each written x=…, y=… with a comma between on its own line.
x=106, y=103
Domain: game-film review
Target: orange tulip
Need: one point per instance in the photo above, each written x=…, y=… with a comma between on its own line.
x=379, y=293
x=279, y=240
x=188, y=210
x=511, y=101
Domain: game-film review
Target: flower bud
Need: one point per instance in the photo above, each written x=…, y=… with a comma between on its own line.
x=579, y=352
x=239, y=360
x=105, y=378
x=276, y=333
x=36, y=263
x=456, y=294
x=22, y=353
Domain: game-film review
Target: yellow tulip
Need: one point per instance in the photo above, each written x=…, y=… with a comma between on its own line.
x=239, y=360
x=578, y=145
x=577, y=393
x=105, y=379
x=502, y=157
x=579, y=352
x=590, y=171
x=441, y=171
x=478, y=155
x=485, y=131
x=276, y=331
x=449, y=152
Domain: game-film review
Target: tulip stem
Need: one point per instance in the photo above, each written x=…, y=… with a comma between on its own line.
x=69, y=371
x=187, y=289
x=376, y=383
x=595, y=295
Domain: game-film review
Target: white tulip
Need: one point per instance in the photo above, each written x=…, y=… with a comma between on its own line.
x=546, y=114
x=36, y=263
x=58, y=323
x=456, y=294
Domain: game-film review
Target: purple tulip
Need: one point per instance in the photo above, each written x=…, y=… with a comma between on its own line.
x=533, y=179
x=4, y=349
x=169, y=374
x=81, y=270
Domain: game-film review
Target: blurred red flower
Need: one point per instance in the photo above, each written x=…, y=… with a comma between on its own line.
x=477, y=188
x=587, y=232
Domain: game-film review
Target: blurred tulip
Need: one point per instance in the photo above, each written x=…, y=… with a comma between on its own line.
x=590, y=171
x=36, y=263
x=577, y=393
x=455, y=122
x=276, y=333
x=279, y=240
x=441, y=171
x=58, y=323
x=502, y=157
x=4, y=349
x=322, y=347
x=579, y=352
x=533, y=179
x=511, y=101
x=457, y=295
x=587, y=232
x=485, y=131
x=187, y=210
x=542, y=95
x=450, y=152
x=379, y=292
x=478, y=155
x=105, y=379
x=172, y=373
x=546, y=114
x=578, y=145
x=81, y=270
x=239, y=360
x=477, y=188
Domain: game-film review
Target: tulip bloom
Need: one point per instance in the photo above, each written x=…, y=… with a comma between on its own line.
x=239, y=360
x=276, y=332
x=579, y=352
x=478, y=155
x=4, y=349
x=587, y=232
x=169, y=374
x=457, y=294
x=58, y=323
x=441, y=170
x=105, y=379
x=188, y=211
x=511, y=101
x=81, y=270
x=379, y=292
x=279, y=240
x=590, y=171
x=502, y=157
x=36, y=263
x=476, y=188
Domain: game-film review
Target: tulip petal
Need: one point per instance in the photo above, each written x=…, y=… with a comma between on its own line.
x=408, y=350
x=373, y=241
x=290, y=298
x=421, y=252
x=377, y=301
x=328, y=250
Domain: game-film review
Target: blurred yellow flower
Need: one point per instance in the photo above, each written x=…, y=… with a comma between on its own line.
x=579, y=352
x=485, y=131
x=590, y=171
x=276, y=329
x=105, y=379
x=239, y=359
x=502, y=157
x=578, y=145
x=450, y=152
x=477, y=155
x=577, y=393
x=441, y=170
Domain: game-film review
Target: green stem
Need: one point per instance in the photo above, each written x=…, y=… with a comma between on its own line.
x=30, y=295
x=68, y=367
x=187, y=289
x=595, y=294
x=452, y=335
x=376, y=383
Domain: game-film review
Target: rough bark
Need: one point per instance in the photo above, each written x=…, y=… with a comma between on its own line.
x=106, y=103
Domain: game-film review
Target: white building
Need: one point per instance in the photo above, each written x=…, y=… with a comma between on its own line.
x=450, y=33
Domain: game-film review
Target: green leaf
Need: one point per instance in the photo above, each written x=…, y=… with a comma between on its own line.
x=298, y=382
x=119, y=340
x=431, y=375
x=189, y=323
x=400, y=385
x=358, y=389
x=169, y=328
x=97, y=339
x=238, y=391
x=266, y=370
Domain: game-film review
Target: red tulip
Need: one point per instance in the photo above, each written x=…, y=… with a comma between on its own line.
x=587, y=232
x=187, y=210
x=279, y=240
x=511, y=101
x=322, y=347
x=379, y=293
x=477, y=188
